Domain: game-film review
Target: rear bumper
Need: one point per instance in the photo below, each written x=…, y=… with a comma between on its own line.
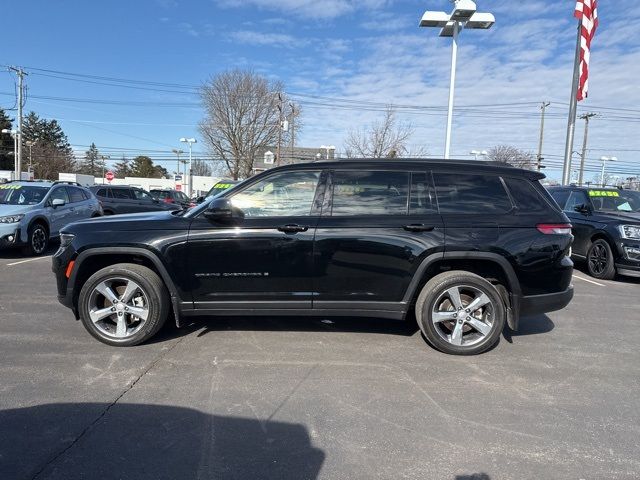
x=548, y=302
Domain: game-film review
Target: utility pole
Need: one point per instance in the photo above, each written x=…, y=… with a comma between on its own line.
x=586, y=118
x=279, y=128
x=20, y=73
x=293, y=129
x=178, y=152
x=543, y=108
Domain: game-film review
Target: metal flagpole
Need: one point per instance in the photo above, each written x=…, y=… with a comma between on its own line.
x=573, y=104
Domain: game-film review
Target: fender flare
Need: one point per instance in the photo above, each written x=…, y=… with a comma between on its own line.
x=514, y=292
x=138, y=251
x=38, y=218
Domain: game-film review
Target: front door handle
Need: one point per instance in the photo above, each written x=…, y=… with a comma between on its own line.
x=418, y=227
x=291, y=228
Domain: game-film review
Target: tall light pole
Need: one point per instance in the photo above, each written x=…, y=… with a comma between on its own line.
x=187, y=173
x=178, y=153
x=464, y=15
x=543, y=109
x=583, y=155
x=604, y=164
x=15, y=134
x=478, y=153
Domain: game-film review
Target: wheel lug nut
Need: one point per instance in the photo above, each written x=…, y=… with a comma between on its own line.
x=113, y=309
x=467, y=310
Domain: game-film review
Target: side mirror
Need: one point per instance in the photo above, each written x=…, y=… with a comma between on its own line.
x=222, y=210
x=583, y=209
x=57, y=202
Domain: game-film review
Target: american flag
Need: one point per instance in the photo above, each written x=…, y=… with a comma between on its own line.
x=587, y=13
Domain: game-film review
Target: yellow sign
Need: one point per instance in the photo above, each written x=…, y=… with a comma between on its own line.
x=10, y=187
x=603, y=193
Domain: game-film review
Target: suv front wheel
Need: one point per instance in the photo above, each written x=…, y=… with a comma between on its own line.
x=124, y=304
x=37, y=241
x=460, y=313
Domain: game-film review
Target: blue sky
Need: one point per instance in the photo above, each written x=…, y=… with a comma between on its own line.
x=365, y=51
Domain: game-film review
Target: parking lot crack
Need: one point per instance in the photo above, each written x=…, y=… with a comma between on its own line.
x=104, y=412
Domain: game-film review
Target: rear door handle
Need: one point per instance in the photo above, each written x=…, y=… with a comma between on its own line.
x=291, y=228
x=418, y=227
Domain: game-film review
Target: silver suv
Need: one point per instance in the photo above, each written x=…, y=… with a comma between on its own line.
x=31, y=213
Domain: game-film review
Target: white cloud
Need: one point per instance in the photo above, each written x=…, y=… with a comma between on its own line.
x=250, y=37
x=325, y=9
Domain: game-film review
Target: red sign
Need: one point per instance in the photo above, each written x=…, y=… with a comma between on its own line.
x=109, y=176
x=178, y=187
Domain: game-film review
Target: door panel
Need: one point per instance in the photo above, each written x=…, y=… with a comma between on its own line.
x=264, y=260
x=364, y=257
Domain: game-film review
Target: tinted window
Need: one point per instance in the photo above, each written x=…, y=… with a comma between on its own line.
x=459, y=193
x=75, y=195
x=160, y=194
x=525, y=195
x=86, y=194
x=182, y=197
x=142, y=195
x=59, y=193
x=370, y=193
x=560, y=196
x=575, y=199
x=423, y=197
x=122, y=193
x=101, y=192
x=279, y=195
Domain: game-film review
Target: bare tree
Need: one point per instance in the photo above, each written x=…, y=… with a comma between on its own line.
x=513, y=156
x=382, y=139
x=242, y=116
x=200, y=168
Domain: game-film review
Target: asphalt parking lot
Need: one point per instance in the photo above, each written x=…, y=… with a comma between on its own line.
x=253, y=398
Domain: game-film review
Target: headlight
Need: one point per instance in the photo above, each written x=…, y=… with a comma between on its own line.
x=66, y=239
x=630, y=231
x=11, y=218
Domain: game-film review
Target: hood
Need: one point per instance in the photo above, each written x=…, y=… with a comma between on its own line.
x=160, y=220
x=631, y=217
x=14, y=209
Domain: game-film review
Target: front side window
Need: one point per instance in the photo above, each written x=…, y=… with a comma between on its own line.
x=461, y=193
x=59, y=193
x=142, y=195
x=370, y=193
x=280, y=195
x=576, y=199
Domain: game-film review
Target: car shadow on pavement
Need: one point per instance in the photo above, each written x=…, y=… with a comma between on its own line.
x=581, y=266
x=139, y=441
x=308, y=324
x=473, y=476
x=535, y=325
x=16, y=253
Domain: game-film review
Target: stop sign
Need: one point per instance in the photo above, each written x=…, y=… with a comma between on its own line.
x=109, y=176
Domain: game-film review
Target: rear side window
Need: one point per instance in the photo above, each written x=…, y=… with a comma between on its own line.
x=75, y=195
x=525, y=195
x=370, y=193
x=460, y=193
x=122, y=193
x=561, y=197
x=102, y=192
x=422, y=196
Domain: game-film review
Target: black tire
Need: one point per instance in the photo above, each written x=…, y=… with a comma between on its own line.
x=600, y=261
x=492, y=316
x=150, y=284
x=37, y=239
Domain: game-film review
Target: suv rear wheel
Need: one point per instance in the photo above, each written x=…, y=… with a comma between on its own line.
x=460, y=313
x=38, y=239
x=124, y=304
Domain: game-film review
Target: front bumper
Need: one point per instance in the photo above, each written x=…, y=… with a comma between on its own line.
x=548, y=302
x=9, y=235
x=628, y=261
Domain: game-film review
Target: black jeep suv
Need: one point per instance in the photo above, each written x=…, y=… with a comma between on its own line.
x=468, y=246
x=606, y=227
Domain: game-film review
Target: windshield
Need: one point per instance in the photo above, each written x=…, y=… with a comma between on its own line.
x=22, y=194
x=220, y=187
x=615, y=200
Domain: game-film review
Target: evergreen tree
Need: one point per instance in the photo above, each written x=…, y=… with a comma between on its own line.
x=122, y=168
x=92, y=162
x=6, y=143
x=142, y=166
x=51, y=153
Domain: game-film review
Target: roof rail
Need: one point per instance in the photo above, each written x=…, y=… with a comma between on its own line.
x=423, y=160
x=66, y=182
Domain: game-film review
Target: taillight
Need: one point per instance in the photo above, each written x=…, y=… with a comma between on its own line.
x=554, y=228
x=169, y=200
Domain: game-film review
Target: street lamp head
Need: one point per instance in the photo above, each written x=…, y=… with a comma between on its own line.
x=481, y=21
x=463, y=11
x=434, y=19
x=188, y=140
x=10, y=131
x=609, y=159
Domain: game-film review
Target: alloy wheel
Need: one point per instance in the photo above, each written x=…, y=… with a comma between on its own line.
x=598, y=259
x=118, y=307
x=38, y=240
x=463, y=315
